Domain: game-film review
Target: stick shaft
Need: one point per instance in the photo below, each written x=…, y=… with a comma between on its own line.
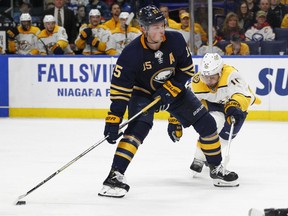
x=227, y=156
x=89, y=149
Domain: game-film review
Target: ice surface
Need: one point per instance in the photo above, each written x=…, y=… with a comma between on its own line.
x=159, y=176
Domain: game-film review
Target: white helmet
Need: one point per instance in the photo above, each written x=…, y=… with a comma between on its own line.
x=49, y=18
x=25, y=17
x=212, y=63
x=123, y=15
x=94, y=12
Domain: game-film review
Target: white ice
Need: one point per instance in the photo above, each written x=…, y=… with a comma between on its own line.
x=159, y=175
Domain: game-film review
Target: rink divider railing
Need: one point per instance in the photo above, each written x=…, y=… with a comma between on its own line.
x=78, y=86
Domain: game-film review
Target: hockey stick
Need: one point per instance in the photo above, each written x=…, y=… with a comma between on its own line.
x=227, y=156
x=19, y=201
x=127, y=23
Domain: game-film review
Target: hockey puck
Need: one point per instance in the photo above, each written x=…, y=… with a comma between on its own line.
x=21, y=202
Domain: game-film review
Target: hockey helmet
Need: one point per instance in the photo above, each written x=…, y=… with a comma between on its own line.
x=94, y=12
x=25, y=17
x=49, y=18
x=123, y=15
x=149, y=15
x=211, y=64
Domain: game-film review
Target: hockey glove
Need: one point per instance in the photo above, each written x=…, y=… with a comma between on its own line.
x=12, y=33
x=57, y=50
x=93, y=41
x=174, y=129
x=170, y=90
x=233, y=108
x=86, y=33
x=112, y=127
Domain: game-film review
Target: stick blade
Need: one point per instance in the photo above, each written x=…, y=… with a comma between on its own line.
x=20, y=202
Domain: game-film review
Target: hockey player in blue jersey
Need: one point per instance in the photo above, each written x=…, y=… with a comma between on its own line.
x=157, y=63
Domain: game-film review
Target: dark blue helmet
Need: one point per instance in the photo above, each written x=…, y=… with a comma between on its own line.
x=149, y=15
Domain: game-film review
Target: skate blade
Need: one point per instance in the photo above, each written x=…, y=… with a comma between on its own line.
x=114, y=192
x=222, y=183
x=255, y=212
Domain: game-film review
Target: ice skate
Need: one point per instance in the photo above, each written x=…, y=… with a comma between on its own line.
x=222, y=177
x=114, y=185
x=197, y=165
x=255, y=212
x=268, y=212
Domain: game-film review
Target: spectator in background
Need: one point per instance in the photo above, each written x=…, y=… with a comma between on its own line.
x=123, y=35
x=165, y=10
x=53, y=40
x=260, y=31
x=252, y=8
x=23, y=38
x=245, y=17
x=284, y=23
x=201, y=16
x=124, y=6
x=284, y=2
x=49, y=5
x=94, y=38
x=230, y=27
x=102, y=7
x=71, y=5
x=236, y=47
x=264, y=5
x=114, y=21
x=25, y=7
x=81, y=16
x=215, y=49
x=183, y=27
x=65, y=18
x=276, y=13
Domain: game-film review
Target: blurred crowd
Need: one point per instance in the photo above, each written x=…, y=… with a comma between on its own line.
x=93, y=27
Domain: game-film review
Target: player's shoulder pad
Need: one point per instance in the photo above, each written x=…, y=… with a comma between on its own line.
x=35, y=30
x=42, y=34
x=173, y=34
x=228, y=72
x=134, y=30
x=103, y=27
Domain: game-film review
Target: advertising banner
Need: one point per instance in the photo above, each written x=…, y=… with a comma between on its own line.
x=84, y=82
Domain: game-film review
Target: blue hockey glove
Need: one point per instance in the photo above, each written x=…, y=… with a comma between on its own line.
x=85, y=33
x=233, y=108
x=174, y=129
x=112, y=127
x=170, y=90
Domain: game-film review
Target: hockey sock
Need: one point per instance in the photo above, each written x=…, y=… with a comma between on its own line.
x=125, y=152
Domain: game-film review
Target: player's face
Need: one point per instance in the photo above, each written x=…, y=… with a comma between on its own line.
x=122, y=23
x=49, y=26
x=156, y=32
x=211, y=81
x=95, y=20
x=26, y=25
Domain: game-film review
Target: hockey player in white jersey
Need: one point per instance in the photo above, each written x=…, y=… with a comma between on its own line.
x=23, y=39
x=123, y=35
x=223, y=91
x=93, y=38
x=53, y=39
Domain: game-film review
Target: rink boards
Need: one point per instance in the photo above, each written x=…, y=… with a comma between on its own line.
x=78, y=86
